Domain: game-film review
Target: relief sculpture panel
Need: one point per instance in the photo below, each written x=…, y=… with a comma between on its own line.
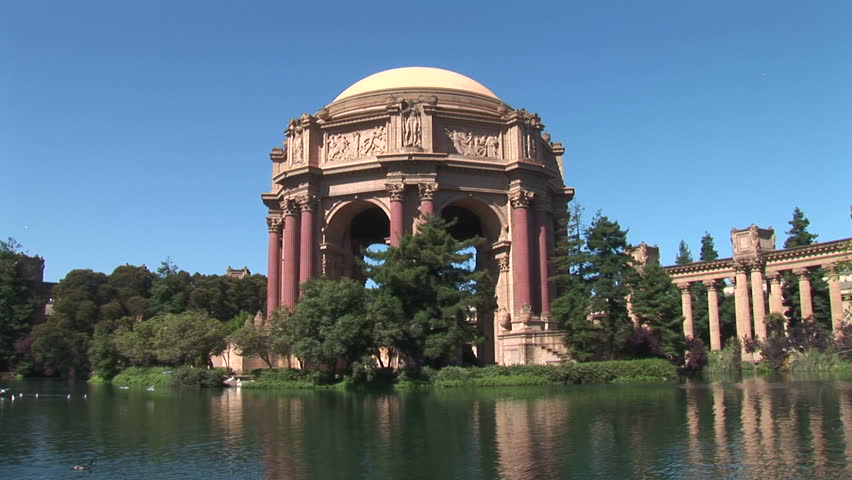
x=357, y=144
x=473, y=143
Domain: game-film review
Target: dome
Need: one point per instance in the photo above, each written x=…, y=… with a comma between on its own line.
x=415, y=77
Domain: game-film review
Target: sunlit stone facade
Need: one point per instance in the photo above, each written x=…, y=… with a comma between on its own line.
x=410, y=142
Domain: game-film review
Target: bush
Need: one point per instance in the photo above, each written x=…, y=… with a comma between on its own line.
x=289, y=378
x=728, y=360
x=652, y=369
x=199, y=377
x=696, y=356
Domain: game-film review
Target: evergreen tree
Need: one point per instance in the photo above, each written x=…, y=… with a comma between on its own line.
x=425, y=288
x=798, y=233
x=571, y=306
x=684, y=256
x=656, y=302
x=17, y=304
x=609, y=268
x=708, y=248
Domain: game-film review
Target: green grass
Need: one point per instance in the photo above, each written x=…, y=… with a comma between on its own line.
x=161, y=377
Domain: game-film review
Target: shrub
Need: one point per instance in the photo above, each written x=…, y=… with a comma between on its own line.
x=289, y=378
x=728, y=360
x=652, y=369
x=696, y=356
x=199, y=377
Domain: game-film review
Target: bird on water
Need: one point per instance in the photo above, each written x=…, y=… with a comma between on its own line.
x=85, y=466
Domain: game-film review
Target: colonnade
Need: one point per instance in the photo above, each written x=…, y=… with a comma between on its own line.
x=749, y=281
x=292, y=250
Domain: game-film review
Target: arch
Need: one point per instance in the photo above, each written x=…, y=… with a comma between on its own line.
x=491, y=223
x=351, y=228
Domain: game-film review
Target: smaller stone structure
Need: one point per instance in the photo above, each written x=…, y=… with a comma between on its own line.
x=755, y=261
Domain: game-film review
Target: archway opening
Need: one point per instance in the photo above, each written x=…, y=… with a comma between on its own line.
x=367, y=231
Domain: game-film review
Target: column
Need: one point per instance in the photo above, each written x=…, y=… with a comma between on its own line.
x=395, y=191
x=427, y=192
x=307, y=204
x=741, y=301
x=757, y=301
x=520, y=200
x=836, y=301
x=805, y=292
x=686, y=307
x=273, y=282
x=543, y=230
x=776, y=297
x=290, y=276
x=713, y=313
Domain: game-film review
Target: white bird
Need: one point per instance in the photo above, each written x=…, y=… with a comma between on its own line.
x=150, y=388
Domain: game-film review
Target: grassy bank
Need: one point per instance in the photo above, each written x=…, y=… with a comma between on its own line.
x=139, y=377
x=624, y=371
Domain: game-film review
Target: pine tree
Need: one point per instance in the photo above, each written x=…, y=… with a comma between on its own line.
x=708, y=249
x=798, y=233
x=425, y=287
x=684, y=256
x=609, y=269
x=571, y=307
x=656, y=301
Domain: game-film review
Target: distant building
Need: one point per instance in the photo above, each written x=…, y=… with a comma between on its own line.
x=241, y=273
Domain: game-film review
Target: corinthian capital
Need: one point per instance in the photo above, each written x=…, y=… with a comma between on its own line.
x=521, y=198
x=683, y=286
x=395, y=191
x=273, y=224
x=427, y=190
x=801, y=272
x=289, y=206
x=306, y=201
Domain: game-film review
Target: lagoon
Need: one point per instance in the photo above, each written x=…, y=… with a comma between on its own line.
x=753, y=428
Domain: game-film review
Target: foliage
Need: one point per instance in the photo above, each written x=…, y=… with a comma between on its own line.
x=708, y=248
x=813, y=361
x=684, y=256
x=426, y=295
x=57, y=349
x=330, y=323
x=188, y=338
x=288, y=378
x=17, y=304
x=651, y=369
x=199, y=377
x=798, y=233
x=159, y=377
x=728, y=360
x=608, y=274
x=252, y=340
x=696, y=356
x=656, y=302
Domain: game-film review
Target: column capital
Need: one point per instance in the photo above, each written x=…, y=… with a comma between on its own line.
x=306, y=201
x=521, y=198
x=289, y=206
x=710, y=284
x=683, y=286
x=273, y=224
x=801, y=273
x=395, y=191
x=774, y=277
x=503, y=262
x=427, y=190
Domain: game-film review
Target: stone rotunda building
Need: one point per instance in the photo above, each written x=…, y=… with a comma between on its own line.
x=409, y=142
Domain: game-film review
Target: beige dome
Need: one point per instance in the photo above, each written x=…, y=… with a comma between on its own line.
x=415, y=77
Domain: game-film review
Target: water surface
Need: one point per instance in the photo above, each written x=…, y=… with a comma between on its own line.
x=753, y=429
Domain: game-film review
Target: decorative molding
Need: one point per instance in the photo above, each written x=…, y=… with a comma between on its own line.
x=395, y=191
x=683, y=287
x=289, y=206
x=802, y=273
x=427, y=191
x=306, y=201
x=710, y=284
x=503, y=263
x=521, y=198
x=273, y=224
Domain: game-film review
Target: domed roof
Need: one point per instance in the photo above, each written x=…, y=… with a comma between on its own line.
x=415, y=77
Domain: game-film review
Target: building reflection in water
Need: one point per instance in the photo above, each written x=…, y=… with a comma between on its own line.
x=750, y=429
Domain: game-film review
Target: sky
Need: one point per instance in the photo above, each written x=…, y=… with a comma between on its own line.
x=135, y=131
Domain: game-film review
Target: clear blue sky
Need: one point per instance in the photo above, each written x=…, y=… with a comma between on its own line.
x=133, y=131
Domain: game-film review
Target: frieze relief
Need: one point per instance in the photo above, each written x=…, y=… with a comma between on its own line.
x=357, y=144
x=473, y=143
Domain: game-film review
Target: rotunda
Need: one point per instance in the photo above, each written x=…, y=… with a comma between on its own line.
x=409, y=142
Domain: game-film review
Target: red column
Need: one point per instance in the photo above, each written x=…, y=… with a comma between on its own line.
x=427, y=192
x=521, y=247
x=395, y=191
x=290, y=289
x=306, y=260
x=273, y=282
x=543, y=230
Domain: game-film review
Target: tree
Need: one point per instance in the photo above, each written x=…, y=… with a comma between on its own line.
x=708, y=248
x=58, y=349
x=656, y=302
x=684, y=256
x=187, y=338
x=330, y=323
x=798, y=233
x=170, y=290
x=252, y=340
x=571, y=306
x=426, y=287
x=609, y=267
x=17, y=304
